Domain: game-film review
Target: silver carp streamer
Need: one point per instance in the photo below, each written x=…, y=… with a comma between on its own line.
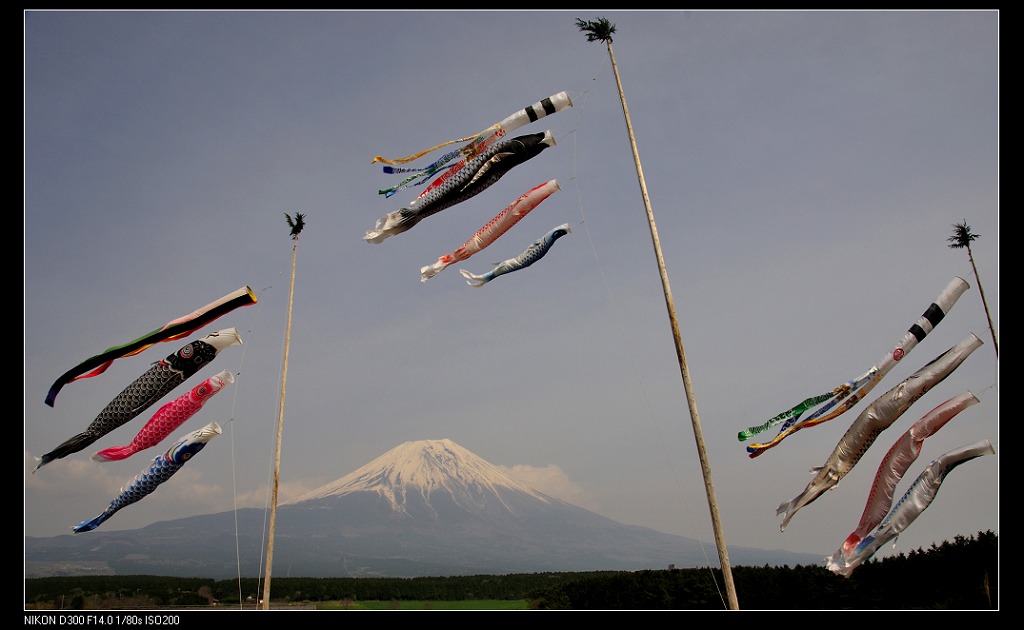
x=901, y=455
x=907, y=509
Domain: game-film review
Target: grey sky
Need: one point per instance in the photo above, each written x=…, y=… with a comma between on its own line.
x=804, y=169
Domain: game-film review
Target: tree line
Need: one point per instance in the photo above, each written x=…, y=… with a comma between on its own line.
x=957, y=575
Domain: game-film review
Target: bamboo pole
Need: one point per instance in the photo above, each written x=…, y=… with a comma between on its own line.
x=723, y=554
x=280, y=427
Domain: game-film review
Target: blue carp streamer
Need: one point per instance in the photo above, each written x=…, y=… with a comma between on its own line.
x=162, y=468
x=533, y=253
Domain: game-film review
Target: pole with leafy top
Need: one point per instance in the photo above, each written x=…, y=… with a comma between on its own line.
x=602, y=30
x=296, y=224
x=962, y=238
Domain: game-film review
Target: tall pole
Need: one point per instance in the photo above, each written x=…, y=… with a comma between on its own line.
x=716, y=521
x=984, y=302
x=296, y=228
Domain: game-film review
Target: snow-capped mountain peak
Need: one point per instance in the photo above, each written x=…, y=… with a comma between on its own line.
x=421, y=468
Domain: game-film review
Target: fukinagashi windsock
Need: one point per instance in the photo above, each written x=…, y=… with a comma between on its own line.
x=916, y=500
x=171, y=331
x=877, y=417
x=168, y=418
x=857, y=389
x=451, y=189
x=477, y=144
x=160, y=470
x=503, y=222
x=533, y=253
x=146, y=390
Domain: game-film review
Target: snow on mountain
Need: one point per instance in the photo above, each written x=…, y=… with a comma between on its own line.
x=423, y=467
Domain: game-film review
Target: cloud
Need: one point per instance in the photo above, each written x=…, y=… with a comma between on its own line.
x=552, y=480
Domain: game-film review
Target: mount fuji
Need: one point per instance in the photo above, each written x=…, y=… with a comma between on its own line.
x=424, y=508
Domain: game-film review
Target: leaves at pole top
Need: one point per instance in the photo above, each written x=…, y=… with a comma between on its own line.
x=296, y=224
x=597, y=30
x=962, y=236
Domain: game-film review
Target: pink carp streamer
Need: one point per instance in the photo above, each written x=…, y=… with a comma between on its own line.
x=168, y=418
x=901, y=455
x=907, y=509
x=494, y=228
x=860, y=387
x=876, y=418
x=171, y=331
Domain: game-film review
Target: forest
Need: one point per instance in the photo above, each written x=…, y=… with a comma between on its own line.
x=956, y=575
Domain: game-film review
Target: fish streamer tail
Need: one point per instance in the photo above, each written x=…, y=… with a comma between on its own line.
x=114, y=453
x=474, y=280
x=73, y=445
x=431, y=270
x=91, y=524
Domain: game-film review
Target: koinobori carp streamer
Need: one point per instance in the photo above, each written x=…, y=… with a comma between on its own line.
x=501, y=223
x=168, y=418
x=855, y=390
x=481, y=173
x=477, y=144
x=533, y=253
x=146, y=390
x=160, y=470
x=171, y=331
x=877, y=417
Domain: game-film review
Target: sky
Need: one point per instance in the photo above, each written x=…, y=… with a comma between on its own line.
x=804, y=172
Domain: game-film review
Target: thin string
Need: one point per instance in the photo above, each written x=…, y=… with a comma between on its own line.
x=231, y=433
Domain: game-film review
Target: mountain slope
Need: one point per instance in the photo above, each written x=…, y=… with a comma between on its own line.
x=424, y=508
x=411, y=474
